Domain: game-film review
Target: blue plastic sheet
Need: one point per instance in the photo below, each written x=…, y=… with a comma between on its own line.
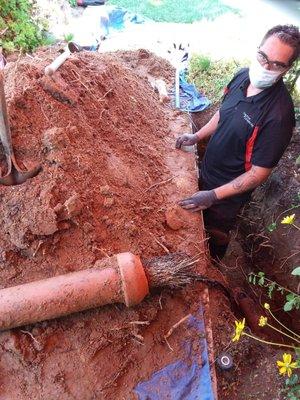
x=119, y=18
x=185, y=379
x=189, y=98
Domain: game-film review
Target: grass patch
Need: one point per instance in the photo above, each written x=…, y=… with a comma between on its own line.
x=179, y=11
x=210, y=77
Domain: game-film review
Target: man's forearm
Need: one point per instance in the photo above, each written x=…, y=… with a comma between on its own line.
x=243, y=183
x=208, y=129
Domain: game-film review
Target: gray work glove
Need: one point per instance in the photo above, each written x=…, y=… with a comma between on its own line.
x=187, y=139
x=199, y=201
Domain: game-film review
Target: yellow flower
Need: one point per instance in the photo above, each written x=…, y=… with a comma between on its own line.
x=239, y=327
x=286, y=366
x=267, y=306
x=263, y=321
x=289, y=219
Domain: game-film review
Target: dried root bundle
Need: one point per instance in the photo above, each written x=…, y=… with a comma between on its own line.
x=172, y=270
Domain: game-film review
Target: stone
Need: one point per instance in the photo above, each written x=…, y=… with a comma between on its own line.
x=175, y=218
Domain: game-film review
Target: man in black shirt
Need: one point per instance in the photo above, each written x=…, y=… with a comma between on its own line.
x=248, y=135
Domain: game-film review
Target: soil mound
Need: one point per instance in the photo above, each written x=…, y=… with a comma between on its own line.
x=101, y=136
x=97, y=131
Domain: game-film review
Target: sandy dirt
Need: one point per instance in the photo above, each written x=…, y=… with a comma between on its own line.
x=110, y=181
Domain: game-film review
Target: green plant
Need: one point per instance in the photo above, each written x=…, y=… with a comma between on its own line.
x=68, y=37
x=290, y=79
x=210, y=77
x=292, y=386
x=287, y=220
x=292, y=299
x=287, y=365
x=18, y=30
x=292, y=76
x=73, y=3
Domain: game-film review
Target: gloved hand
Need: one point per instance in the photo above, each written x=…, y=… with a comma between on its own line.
x=187, y=139
x=199, y=201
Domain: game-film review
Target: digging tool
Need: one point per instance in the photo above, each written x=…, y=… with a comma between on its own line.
x=71, y=48
x=15, y=175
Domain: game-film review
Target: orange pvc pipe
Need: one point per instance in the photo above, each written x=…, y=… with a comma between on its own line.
x=120, y=278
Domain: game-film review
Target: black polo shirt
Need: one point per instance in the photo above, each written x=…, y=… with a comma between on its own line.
x=272, y=110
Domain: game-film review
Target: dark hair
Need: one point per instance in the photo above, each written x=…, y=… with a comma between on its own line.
x=288, y=34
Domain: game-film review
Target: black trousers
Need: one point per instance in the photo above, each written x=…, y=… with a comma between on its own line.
x=220, y=219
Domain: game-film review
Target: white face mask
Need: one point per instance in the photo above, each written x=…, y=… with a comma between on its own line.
x=262, y=78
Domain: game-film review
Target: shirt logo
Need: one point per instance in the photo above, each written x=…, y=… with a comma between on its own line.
x=248, y=119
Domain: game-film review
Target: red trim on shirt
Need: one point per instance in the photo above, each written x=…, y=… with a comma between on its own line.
x=249, y=148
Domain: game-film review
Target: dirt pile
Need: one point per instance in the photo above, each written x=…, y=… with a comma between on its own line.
x=106, y=186
x=97, y=131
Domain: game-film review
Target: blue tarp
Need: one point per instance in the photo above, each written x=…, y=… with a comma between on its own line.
x=185, y=379
x=190, y=99
x=119, y=18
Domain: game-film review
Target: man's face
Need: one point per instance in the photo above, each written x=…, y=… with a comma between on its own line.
x=275, y=55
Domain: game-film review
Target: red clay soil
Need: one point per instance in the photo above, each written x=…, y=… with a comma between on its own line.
x=109, y=183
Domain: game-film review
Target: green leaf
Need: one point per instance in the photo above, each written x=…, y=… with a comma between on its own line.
x=296, y=271
x=297, y=302
x=297, y=351
x=261, y=281
x=272, y=227
x=288, y=306
x=295, y=389
x=292, y=380
x=271, y=287
x=290, y=297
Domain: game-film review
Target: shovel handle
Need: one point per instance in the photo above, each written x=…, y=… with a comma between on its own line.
x=5, y=135
x=51, y=68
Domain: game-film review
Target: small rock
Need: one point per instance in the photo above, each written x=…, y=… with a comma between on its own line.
x=69, y=209
x=106, y=220
x=174, y=218
x=131, y=228
x=105, y=190
x=109, y=202
x=73, y=205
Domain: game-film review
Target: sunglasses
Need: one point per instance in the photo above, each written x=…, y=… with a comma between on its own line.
x=263, y=59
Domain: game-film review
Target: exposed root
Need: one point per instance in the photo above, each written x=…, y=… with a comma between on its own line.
x=173, y=270
x=172, y=329
x=160, y=244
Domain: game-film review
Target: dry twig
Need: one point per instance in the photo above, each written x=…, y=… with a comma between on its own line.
x=287, y=258
x=168, y=344
x=140, y=322
x=160, y=183
x=160, y=244
x=172, y=329
x=32, y=337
